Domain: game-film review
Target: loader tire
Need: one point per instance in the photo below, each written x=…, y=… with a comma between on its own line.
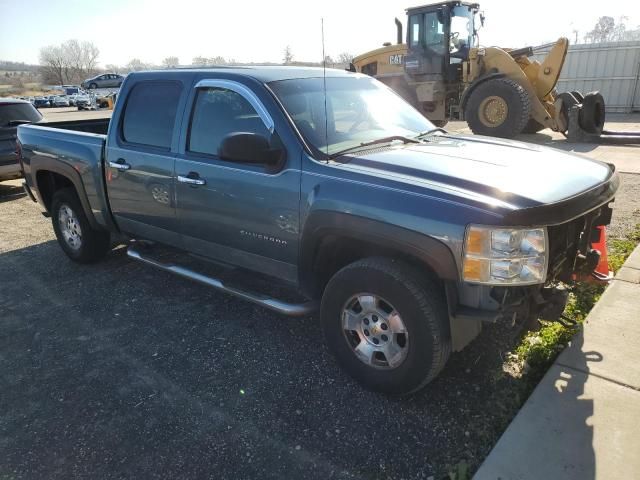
x=592, y=114
x=577, y=95
x=533, y=126
x=569, y=100
x=499, y=107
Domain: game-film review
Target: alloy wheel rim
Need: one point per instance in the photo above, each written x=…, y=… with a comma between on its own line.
x=493, y=111
x=375, y=331
x=70, y=227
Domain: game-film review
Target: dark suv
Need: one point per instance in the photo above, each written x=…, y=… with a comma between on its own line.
x=12, y=113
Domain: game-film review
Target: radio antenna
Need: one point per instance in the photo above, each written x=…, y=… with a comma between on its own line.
x=324, y=86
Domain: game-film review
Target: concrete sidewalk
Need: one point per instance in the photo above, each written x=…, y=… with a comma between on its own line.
x=583, y=420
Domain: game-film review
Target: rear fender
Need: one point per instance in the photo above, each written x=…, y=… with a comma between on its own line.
x=55, y=166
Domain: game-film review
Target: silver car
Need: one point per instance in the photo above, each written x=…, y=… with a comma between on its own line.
x=106, y=80
x=60, y=101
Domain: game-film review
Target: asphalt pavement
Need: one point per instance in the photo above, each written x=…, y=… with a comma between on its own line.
x=117, y=370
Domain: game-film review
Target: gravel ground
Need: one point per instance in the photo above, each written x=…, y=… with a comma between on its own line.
x=117, y=370
x=626, y=211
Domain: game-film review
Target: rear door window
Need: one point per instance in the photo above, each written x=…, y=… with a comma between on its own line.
x=150, y=114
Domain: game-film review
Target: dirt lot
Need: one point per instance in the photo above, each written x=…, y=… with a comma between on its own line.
x=117, y=370
x=62, y=114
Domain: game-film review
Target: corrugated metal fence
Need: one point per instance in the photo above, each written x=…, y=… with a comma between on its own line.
x=611, y=68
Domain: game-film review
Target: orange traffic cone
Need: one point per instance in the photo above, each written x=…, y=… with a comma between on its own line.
x=602, y=272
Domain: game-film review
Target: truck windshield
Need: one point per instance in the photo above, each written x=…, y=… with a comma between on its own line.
x=359, y=110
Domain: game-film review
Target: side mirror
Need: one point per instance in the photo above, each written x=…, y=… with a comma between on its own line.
x=482, y=19
x=246, y=147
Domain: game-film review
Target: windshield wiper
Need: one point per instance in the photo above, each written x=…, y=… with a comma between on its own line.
x=377, y=141
x=427, y=132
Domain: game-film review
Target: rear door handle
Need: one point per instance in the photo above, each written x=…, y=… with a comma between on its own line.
x=120, y=165
x=192, y=179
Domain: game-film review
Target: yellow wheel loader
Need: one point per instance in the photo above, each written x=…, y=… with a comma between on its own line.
x=501, y=92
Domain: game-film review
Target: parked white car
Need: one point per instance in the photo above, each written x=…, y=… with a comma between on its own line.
x=60, y=101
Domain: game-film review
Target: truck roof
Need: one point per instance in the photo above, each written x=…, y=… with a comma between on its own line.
x=262, y=73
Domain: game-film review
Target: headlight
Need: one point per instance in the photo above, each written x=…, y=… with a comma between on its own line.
x=499, y=256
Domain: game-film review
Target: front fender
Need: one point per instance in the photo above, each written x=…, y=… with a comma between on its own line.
x=320, y=224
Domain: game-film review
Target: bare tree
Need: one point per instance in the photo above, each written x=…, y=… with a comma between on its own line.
x=170, y=62
x=113, y=68
x=328, y=61
x=53, y=67
x=288, y=56
x=200, y=61
x=135, y=65
x=345, y=57
x=71, y=61
x=602, y=31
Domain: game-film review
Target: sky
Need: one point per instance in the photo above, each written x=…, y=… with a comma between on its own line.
x=259, y=30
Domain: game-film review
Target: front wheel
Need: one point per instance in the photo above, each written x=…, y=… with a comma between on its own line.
x=386, y=324
x=93, y=86
x=498, y=107
x=80, y=241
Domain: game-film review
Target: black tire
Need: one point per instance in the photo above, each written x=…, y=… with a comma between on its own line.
x=533, y=126
x=93, y=244
x=592, y=113
x=421, y=305
x=440, y=123
x=93, y=86
x=568, y=101
x=518, y=108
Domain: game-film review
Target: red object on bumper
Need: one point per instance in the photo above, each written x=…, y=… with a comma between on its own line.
x=602, y=272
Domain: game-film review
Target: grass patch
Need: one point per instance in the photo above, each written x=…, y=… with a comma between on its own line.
x=621, y=248
x=524, y=366
x=539, y=349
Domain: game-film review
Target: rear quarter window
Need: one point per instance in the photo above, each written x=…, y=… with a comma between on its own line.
x=150, y=114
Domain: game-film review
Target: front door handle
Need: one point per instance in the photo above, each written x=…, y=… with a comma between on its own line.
x=120, y=165
x=192, y=179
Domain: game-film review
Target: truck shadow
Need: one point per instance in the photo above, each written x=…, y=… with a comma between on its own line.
x=565, y=416
x=10, y=192
x=141, y=369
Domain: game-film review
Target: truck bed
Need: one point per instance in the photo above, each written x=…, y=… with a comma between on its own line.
x=75, y=147
x=95, y=125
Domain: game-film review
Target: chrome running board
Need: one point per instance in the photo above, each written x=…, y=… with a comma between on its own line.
x=284, y=308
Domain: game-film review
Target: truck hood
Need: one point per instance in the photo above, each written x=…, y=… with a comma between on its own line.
x=516, y=174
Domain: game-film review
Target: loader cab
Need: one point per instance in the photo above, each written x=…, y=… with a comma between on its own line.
x=439, y=37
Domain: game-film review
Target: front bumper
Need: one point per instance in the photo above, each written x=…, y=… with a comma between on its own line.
x=574, y=250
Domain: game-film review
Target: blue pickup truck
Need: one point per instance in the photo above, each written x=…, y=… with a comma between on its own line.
x=400, y=238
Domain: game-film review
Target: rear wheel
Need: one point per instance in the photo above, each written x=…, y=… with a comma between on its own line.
x=79, y=240
x=499, y=107
x=386, y=325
